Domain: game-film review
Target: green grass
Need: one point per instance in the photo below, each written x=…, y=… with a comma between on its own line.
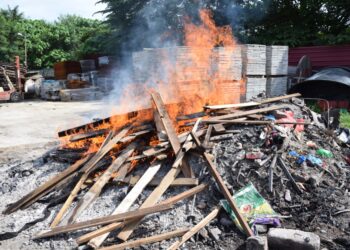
x=313, y=106
x=344, y=119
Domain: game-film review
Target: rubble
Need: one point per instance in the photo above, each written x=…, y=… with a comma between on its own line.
x=153, y=179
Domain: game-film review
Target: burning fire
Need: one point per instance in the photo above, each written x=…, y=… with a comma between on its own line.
x=190, y=82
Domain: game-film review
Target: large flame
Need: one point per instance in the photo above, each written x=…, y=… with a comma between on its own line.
x=182, y=75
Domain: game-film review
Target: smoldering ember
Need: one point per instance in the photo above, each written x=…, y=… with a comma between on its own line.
x=207, y=143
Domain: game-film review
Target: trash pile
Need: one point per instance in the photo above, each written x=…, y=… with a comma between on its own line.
x=265, y=172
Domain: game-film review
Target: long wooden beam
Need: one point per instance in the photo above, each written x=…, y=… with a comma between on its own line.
x=254, y=122
x=251, y=104
x=148, y=240
x=245, y=113
x=170, y=131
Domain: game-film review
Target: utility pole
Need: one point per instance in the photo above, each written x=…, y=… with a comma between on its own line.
x=25, y=48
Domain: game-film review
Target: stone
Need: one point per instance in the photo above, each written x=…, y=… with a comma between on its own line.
x=287, y=196
x=290, y=239
x=226, y=222
x=215, y=233
x=257, y=243
x=261, y=228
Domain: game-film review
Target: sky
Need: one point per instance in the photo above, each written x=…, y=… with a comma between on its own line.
x=49, y=10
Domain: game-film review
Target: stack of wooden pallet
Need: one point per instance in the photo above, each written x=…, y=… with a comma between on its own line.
x=254, y=69
x=276, y=70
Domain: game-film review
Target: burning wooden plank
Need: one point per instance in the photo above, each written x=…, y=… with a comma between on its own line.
x=170, y=131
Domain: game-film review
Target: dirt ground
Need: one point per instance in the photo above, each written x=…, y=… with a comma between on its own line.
x=38, y=121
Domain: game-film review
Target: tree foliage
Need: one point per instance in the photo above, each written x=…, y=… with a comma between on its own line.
x=290, y=22
x=69, y=38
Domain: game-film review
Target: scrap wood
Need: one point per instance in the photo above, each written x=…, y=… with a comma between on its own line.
x=46, y=187
x=154, y=196
x=224, y=189
x=128, y=201
x=251, y=104
x=105, y=220
x=271, y=168
x=87, y=135
x=244, y=113
x=219, y=127
x=253, y=122
x=148, y=240
x=134, y=135
x=132, y=180
x=171, y=200
x=170, y=131
x=109, y=120
x=96, y=189
x=106, y=146
x=195, y=229
x=123, y=217
x=162, y=136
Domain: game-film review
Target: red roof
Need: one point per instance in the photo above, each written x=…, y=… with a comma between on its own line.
x=322, y=56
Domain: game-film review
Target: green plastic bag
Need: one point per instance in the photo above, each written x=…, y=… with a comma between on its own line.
x=251, y=205
x=324, y=153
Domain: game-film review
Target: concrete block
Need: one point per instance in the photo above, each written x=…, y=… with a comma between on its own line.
x=289, y=239
x=257, y=243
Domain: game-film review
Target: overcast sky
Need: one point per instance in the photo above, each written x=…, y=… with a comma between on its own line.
x=51, y=9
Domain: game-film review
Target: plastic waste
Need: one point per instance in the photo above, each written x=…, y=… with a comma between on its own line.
x=324, y=153
x=251, y=205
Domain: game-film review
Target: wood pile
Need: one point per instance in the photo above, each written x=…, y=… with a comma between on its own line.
x=152, y=137
x=11, y=72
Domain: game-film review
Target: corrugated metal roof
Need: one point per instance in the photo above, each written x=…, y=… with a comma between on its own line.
x=322, y=56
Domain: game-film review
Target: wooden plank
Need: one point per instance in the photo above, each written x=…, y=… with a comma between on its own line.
x=154, y=196
x=49, y=185
x=178, y=182
x=195, y=229
x=251, y=104
x=245, y=113
x=107, y=145
x=128, y=201
x=148, y=240
x=96, y=189
x=170, y=131
x=139, y=213
x=219, y=128
x=254, y=122
x=162, y=136
x=171, y=200
x=87, y=135
x=207, y=137
x=134, y=135
x=225, y=190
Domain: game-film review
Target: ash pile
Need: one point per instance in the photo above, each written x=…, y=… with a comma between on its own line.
x=262, y=174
